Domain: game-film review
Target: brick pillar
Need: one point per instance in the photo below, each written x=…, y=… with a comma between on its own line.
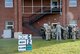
x=16, y=16
x=19, y=16
x=67, y=11
x=63, y=11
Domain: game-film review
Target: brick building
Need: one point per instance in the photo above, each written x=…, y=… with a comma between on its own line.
x=27, y=16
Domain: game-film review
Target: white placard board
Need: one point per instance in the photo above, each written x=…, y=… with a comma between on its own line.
x=16, y=34
x=22, y=48
x=29, y=36
x=23, y=36
x=7, y=33
x=21, y=42
x=29, y=42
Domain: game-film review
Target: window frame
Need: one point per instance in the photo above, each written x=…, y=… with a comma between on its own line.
x=73, y=3
x=7, y=25
x=8, y=4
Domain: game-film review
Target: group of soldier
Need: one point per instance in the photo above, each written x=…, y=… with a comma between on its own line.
x=58, y=32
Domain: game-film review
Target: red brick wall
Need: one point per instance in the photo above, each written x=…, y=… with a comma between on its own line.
x=76, y=12
x=5, y=14
x=48, y=18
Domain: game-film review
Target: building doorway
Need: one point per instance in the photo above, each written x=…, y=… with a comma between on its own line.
x=54, y=24
x=10, y=25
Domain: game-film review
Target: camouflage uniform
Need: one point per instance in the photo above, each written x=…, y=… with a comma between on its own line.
x=74, y=33
x=58, y=31
x=53, y=31
x=48, y=32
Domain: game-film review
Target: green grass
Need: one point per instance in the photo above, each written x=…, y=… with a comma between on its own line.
x=9, y=46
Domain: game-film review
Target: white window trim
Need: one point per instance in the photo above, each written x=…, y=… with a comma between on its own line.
x=6, y=24
x=41, y=6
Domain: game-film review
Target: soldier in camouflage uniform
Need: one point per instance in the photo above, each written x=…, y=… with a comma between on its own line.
x=48, y=32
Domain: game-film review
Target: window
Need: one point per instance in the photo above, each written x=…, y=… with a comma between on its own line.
x=9, y=25
x=9, y=3
x=73, y=23
x=72, y=3
x=54, y=4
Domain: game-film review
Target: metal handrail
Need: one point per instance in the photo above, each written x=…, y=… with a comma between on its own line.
x=34, y=15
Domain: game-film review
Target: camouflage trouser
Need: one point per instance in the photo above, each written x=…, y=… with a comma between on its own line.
x=58, y=36
x=74, y=36
x=53, y=35
x=47, y=36
x=65, y=35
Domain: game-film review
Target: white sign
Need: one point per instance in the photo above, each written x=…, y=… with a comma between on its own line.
x=23, y=36
x=22, y=48
x=29, y=42
x=21, y=42
x=24, y=42
x=7, y=33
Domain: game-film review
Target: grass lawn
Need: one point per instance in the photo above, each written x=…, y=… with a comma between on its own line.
x=9, y=46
